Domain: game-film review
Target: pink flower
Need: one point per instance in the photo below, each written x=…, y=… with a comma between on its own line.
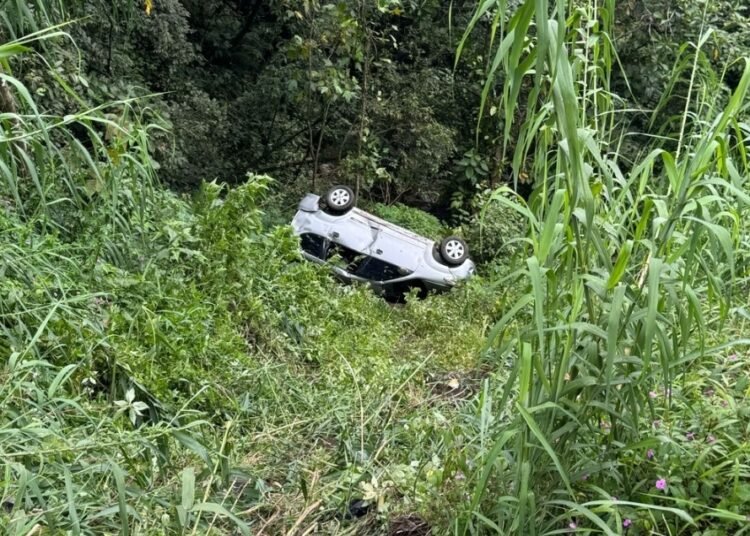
x=627, y=522
x=733, y=357
x=690, y=436
x=661, y=484
x=709, y=392
x=711, y=440
x=572, y=525
x=650, y=454
x=584, y=477
x=652, y=394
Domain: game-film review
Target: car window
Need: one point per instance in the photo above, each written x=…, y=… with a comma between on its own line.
x=378, y=270
x=352, y=261
x=345, y=257
x=315, y=245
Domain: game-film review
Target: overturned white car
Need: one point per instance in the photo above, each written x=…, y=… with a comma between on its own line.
x=363, y=247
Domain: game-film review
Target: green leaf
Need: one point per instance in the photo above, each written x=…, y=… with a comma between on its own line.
x=654, y=278
x=621, y=264
x=551, y=225
x=188, y=488
x=121, y=498
x=60, y=378
x=537, y=287
x=534, y=427
x=71, y=494
x=194, y=445
x=9, y=50
x=220, y=510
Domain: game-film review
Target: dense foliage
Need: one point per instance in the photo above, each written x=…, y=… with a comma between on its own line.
x=170, y=365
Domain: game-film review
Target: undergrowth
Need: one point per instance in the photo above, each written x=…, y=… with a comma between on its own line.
x=222, y=367
x=170, y=365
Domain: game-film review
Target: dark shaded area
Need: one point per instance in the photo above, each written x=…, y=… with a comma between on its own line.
x=358, y=508
x=369, y=95
x=364, y=266
x=312, y=93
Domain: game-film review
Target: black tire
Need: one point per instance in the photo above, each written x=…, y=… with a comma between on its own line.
x=340, y=199
x=454, y=251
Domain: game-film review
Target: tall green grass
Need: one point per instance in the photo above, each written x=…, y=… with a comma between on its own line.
x=627, y=270
x=75, y=453
x=77, y=163
x=171, y=366
x=22, y=17
x=124, y=310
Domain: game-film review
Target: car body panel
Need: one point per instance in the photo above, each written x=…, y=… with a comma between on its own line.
x=372, y=237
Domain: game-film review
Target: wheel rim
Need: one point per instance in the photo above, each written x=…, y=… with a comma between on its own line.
x=454, y=249
x=340, y=197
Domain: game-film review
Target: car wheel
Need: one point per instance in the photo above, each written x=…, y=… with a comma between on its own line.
x=454, y=251
x=339, y=199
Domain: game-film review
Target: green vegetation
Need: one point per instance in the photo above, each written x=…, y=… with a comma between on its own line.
x=169, y=364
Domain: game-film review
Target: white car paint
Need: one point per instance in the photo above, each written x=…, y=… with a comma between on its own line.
x=372, y=236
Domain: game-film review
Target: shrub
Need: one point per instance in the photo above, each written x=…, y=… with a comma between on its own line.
x=494, y=232
x=413, y=219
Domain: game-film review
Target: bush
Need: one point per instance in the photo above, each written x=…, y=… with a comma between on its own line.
x=692, y=433
x=202, y=135
x=493, y=231
x=199, y=322
x=413, y=219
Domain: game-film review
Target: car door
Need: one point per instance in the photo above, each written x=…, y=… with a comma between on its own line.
x=354, y=232
x=397, y=249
